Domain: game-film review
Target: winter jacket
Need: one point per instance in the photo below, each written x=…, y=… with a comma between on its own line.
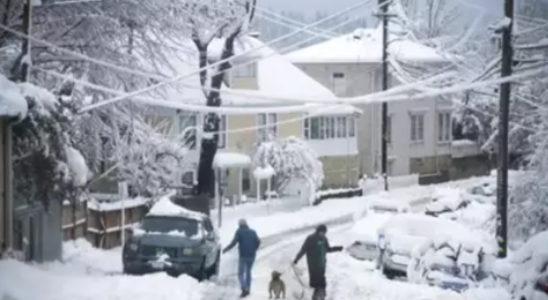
x=248, y=242
x=316, y=247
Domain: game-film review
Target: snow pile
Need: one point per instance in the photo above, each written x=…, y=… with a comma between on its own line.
x=80, y=257
x=265, y=173
x=527, y=263
x=376, y=184
x=12, y=102
x=17, y=277
x=444, y=200
x=225, y=160
x=77, y=166
x=166, y=207
x=350, y=279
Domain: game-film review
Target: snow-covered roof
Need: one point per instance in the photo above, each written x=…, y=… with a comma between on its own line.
x=277, y=78
x=364, y=45
x=12, y=101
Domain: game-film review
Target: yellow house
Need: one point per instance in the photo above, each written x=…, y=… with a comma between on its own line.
x=330, y=129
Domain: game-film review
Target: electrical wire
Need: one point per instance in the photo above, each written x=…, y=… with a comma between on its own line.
x=218, y=63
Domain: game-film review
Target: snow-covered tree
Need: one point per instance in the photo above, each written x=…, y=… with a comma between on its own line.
x=122, y=34
x=149, y=163
x=528, y=208
x=292, y=159
x=46, y=165
x=224, y=20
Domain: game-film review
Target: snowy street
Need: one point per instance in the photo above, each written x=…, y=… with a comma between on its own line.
x=89, y=273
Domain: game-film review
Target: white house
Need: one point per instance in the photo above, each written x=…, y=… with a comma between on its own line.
x=419, y=130
x=263, y=84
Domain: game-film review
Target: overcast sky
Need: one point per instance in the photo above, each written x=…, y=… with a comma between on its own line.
x=489, y=6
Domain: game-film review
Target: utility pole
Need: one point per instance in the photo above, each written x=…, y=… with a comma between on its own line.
x=384, y=121
x=504, y=111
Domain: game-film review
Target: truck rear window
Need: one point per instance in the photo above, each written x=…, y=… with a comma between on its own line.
x=189, y=226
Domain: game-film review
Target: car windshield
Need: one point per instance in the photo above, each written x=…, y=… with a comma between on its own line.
x=189, y=226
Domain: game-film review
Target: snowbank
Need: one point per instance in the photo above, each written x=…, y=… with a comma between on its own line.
x=226, y=160
x=350, y=279
x=375, y=185
x=12, y=102
x=25, y=282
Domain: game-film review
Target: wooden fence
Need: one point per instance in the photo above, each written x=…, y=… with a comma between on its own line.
x=101, y=223
x=74, y=223
x=104, y=224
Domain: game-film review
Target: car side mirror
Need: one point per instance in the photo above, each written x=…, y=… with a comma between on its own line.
x=210, y=236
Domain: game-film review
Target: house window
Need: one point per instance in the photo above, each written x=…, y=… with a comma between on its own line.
x=417, y=128
x=188, y=178
x=341, y=127
x=222, y=131
x=248, y=70
x=187, y=127
x=444, y=127
x=268, y=128
x=339, y=84
x=327, y=128
x=351, y=126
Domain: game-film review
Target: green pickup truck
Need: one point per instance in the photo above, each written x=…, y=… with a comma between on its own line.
x=174, y=240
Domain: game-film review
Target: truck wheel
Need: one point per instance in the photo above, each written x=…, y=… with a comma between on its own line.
x=214, y=269
x=201, y=275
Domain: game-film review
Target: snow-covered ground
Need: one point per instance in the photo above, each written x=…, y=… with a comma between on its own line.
x=88, y=273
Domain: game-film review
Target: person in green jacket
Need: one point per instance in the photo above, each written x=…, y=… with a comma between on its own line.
x=316, y=246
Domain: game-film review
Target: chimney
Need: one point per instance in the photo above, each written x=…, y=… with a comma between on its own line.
x=255, y=34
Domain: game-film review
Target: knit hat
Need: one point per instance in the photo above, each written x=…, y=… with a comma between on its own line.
x=321, y=228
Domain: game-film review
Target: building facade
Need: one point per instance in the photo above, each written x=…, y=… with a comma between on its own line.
x=419, y=131
x=331, y=133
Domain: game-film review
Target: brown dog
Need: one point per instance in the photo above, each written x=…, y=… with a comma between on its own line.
x=276, y=286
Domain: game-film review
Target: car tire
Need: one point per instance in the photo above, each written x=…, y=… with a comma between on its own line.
x=388, y=273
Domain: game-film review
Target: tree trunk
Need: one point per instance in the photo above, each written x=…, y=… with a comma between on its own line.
x=210, y=138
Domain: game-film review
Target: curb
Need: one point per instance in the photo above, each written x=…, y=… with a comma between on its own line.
x=275, y=238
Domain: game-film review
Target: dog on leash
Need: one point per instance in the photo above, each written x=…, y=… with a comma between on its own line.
x=276, y=287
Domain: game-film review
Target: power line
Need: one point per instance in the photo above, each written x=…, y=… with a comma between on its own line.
x=216, y=64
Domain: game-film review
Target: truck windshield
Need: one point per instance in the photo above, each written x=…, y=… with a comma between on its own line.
x=189, y=226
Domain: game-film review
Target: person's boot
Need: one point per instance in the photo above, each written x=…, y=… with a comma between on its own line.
x=246, y=293
x=243, y=294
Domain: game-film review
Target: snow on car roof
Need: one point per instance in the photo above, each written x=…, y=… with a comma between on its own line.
x=435, y=229
x=166, y=207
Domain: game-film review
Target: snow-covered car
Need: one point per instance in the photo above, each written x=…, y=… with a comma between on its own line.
x=365, y=229
x=450, y=265
x=484, y=193
x=405, y=233
x=528, y=271
x=445, y=200
x=174, y=240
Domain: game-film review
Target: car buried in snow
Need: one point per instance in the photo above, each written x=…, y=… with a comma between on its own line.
x=174, y=240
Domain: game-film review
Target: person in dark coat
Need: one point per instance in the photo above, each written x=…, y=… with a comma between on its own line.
x=316, y=246
x=248, y=243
